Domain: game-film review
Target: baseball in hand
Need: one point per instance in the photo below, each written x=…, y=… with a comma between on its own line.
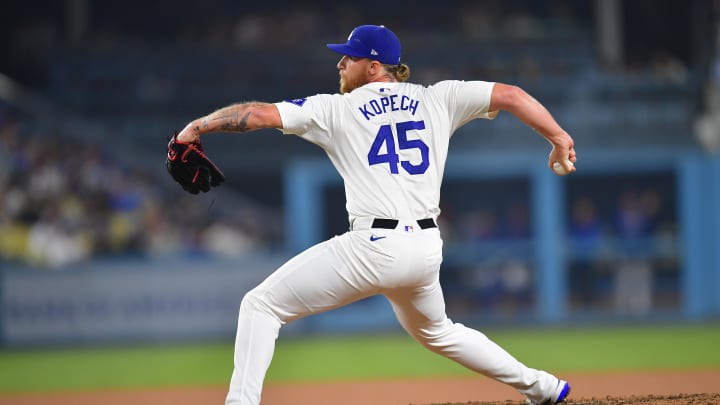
x=559, y=169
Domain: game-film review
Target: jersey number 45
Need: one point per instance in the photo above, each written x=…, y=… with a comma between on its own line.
x=385, y=136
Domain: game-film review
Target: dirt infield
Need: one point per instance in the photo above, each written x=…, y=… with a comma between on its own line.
x=677, y=387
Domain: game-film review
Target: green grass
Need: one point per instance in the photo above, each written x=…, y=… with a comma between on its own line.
x=71, y=369
x=354, y=358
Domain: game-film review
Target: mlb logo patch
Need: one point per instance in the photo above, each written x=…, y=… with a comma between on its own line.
x=409, y=228
x=298, y=101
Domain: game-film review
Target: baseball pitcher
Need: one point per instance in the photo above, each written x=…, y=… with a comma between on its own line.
x=388, y=139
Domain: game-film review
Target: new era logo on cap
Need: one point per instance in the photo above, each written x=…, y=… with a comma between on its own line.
x=371, y=41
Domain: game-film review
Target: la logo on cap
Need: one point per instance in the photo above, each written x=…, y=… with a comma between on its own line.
x=371, y=41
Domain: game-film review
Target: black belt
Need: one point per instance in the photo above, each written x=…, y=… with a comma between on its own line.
x=384, y=223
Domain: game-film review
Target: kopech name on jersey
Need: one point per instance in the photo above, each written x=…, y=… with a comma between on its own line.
x=384, y=105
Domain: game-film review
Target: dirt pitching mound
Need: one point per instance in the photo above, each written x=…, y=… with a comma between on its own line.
x=684, y=399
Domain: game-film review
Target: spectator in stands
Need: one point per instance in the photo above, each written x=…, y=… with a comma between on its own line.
x=481, y=224
x=668, y=69
x=634, y=224
x=586, y=243
x=517, y=221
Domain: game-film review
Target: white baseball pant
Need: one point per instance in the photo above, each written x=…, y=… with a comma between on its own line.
x=402, y=264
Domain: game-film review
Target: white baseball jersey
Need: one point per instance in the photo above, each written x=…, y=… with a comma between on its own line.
x=389, y=141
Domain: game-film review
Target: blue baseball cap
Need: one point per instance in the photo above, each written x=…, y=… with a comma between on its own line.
x=372, y=42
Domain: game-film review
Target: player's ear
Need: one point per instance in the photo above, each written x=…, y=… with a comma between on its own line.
x=375, y=67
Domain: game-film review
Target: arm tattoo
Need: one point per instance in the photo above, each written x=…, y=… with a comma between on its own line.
x=233, y=118
x=232, y=123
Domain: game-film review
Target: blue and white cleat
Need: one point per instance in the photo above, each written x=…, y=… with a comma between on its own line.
x=560, y=395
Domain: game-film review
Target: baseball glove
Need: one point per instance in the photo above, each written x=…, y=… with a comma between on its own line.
x=189, y=166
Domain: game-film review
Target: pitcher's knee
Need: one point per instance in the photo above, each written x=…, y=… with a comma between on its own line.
x=256, y=300
x=439, y=338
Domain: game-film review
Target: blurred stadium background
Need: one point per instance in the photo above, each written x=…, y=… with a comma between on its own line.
x=97, y=244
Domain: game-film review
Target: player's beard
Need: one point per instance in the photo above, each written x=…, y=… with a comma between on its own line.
x=343, y=89
x=349, y=84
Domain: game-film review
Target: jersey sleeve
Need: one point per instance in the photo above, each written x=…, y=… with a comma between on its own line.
x=307, y=118
x=466, y=100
